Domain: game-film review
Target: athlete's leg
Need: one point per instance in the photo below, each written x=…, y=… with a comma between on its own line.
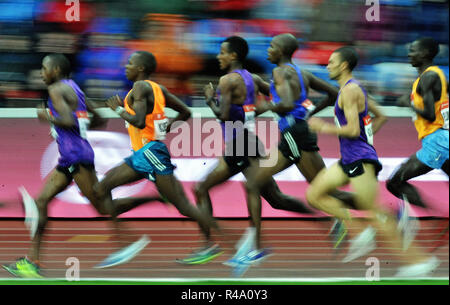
x=55, y=183
x=273, y=195
x=171, y=188
x=318, y=192
x=118, y=176
x=399, y=186
x=255, y=182
x=310, y=164
x=445, y=167
x=221, y=173
x=366, y=189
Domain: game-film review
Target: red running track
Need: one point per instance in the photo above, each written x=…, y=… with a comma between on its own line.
x=301, y=249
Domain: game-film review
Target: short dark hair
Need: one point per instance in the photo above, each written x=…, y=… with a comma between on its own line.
x=289, y=44
x=238, y=45
x=147, y=60
x=430, y=45
x=60, y=61
x=349, y=55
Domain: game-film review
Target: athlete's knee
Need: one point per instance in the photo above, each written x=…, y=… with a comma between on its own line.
x=393, y=185
x=273, y=197
x=200, y=190
x=253, y=185
x=313, y=197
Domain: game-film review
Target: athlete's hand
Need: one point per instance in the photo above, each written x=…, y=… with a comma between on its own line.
x=42, y=115
x=404, y=101
x=316, y=124
x=262, y=107
x=113, y=102
x=209, y=91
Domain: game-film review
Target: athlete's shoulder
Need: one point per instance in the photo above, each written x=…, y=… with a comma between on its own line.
x=232, y=77
x=283, y=72
x=431, y=75
x=60, y=87
x=230, y=80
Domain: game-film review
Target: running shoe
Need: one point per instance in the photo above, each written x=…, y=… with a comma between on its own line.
x=420, y=269
x=24, y=268
x=407, y=225
x=253, y=257
x=31, y=211
x=126, y=254
x=245, y=244
x=202, y=256
x=361, y=245
x=338, y=234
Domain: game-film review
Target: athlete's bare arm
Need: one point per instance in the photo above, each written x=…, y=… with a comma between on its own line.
x=227, y=85
x=427, y=89
x=263, y=86
x=173, y=102
x=142, y=96
x=320, y=85
x=96, y=120
x=58, y=94
x=282, y=79
x=379, y=119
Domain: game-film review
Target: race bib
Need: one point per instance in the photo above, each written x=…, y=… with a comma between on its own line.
x=160, y=123
x=250, y=116
x=53, y=132
x=83, y=123
x=309, y=106
x=444, y=113
x=368, y=129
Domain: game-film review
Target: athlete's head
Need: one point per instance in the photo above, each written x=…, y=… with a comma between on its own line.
x=342, y=60
x=54, y=67
x=140, y=63
x=423, y=50
x=283, y=45
x=233, y=48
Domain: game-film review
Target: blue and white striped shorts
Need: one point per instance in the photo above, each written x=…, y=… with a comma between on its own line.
x=152, y=159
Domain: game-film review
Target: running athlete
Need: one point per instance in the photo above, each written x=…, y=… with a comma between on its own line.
x=359, y=167
x=68, y=116
x=235, y=109
x=147, y=126
x=289, y=90
x=429, y=101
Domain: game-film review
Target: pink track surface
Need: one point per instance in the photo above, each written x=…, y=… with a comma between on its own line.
x=25, y=140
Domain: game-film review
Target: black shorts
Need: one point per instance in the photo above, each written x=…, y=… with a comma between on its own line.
x=356, y=168
x=297, y=138
x=73, y=169
x=239, y=151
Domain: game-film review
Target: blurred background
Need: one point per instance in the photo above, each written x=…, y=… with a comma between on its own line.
x=185, y=36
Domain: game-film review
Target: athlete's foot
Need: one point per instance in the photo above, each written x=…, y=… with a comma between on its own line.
x=421, y=269
x=338, y=235
x=24, y=268
x=361, y=245
x=31, y=211
x=202, y=256
x=126, y=254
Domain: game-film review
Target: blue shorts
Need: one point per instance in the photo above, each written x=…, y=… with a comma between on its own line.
x=434, y=150
x=152, y=159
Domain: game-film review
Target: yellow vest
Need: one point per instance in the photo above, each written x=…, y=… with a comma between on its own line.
x=155, y=122
x=423, y=126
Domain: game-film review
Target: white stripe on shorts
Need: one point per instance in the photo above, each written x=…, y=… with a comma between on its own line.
x=292, y=144
x=154, y=160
